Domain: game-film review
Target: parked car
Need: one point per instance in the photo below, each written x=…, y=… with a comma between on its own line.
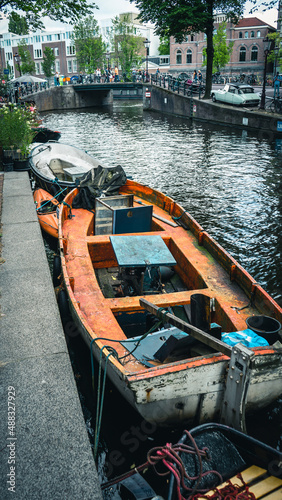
x=238, y=95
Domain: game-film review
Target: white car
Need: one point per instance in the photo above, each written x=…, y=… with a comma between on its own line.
x=238, y=95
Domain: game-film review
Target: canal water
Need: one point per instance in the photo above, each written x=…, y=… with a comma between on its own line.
x=230, y=181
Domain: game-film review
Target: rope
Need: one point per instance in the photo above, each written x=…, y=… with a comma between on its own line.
x=48, y=201
x=70, y=216
x=168, y=455
x=178, y=218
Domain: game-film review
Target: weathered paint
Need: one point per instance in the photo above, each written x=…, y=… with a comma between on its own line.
x=189, y=387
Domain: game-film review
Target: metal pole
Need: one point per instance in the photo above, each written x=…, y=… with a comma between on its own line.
x=262, y=101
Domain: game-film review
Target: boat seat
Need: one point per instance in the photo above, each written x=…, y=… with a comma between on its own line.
x=57, y=166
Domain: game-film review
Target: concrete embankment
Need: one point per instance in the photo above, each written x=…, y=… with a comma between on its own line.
x=45, y=450
x=155, y=98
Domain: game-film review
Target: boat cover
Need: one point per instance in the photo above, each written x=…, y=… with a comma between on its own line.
x=97, y=183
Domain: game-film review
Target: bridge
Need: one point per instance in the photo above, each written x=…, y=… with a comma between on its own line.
x=121, y=90
x=85, y=95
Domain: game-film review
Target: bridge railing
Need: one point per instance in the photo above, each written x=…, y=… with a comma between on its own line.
x=183, y=87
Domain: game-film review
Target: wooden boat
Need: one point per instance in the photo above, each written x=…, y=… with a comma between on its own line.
x=138, y=253
x=44, y=134
x=223, y=462
x=56, y=166
x=47, y=208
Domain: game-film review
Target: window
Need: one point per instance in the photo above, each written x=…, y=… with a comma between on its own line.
x=37, y=53
x=70, y=50
x=242, y=56
x=240, y=34
x=192, y=38
x=9, y=56
x=246, y=34
x=179, y=57
x=189, y=56
x=254, y=53
x=57, y=66
x=258, y=34
x=37, y=68
x=58, y=36
x=252, y=34
x=49, y=38
x=69, y=66
x=56, y=51
x=74, y=65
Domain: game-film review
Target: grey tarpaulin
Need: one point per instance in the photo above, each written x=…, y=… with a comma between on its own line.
x=98, y=182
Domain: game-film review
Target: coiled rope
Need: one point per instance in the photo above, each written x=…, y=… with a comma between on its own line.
x=168, y=456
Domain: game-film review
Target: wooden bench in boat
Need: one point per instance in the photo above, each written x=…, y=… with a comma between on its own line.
x=259, y=483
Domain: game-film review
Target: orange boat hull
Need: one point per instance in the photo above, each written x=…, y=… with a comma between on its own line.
x=189, y=387
x=48, y=220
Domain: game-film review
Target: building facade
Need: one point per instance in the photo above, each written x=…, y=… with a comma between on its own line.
x=247, y=55
x=62, y=44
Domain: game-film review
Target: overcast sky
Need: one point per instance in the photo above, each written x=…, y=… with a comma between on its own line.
x=111, y=8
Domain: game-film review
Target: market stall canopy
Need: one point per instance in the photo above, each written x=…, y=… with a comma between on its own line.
x=27, y=79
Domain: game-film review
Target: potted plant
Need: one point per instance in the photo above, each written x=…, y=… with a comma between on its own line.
x=15, y=135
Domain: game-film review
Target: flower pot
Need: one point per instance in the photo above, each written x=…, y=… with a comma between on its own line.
x=21, y=165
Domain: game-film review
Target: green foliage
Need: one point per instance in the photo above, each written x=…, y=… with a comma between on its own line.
x=48, y=62
x=127, y=46
x=27, y=65
x=15, y=128
x=17, y=24
x=58, y=10
x=222, y=51
x=164, y=47
x=275, y=55
x=179, y=18
x=88, y=45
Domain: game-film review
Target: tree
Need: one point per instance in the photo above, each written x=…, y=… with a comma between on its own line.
x=222, y=51
x=27, y=65
x=127, y=46
x=48, y=62
x=17, y=24
x=178, y=18
x=89, y=46
x=164, y=47
x=57, y=10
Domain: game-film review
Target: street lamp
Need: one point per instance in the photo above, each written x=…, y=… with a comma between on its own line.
x=18, y=62
x=147, y=45
x=266, y=48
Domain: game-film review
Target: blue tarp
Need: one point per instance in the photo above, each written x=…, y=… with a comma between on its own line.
x=246, y=337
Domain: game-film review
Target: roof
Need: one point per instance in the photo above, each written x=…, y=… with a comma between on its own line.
x=248, y=22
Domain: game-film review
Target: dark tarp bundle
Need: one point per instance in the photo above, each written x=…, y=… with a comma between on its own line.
x=99, y=181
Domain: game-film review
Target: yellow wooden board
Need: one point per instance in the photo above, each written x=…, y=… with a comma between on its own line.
x=266, y=486
x=248, y=475
x=275, y=495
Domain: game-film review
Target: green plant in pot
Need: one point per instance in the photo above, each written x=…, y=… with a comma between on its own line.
x=15, y=134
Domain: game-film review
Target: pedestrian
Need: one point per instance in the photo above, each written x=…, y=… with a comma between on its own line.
x=116, y=74
x=200, y=76
x=57, y=76
x=195, y=77
x=277, y=80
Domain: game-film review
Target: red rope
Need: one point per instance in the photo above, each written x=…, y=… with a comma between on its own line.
x=168, y=456
x=230, y=492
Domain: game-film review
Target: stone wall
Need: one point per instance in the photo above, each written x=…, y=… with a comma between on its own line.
x=66, y=97
x=168, y=102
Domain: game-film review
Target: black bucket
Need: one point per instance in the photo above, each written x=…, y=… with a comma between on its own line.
x=265, y=327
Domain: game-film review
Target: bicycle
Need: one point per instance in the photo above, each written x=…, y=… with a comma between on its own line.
x=276, y=105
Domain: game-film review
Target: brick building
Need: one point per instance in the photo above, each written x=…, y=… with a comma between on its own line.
x=247, y=55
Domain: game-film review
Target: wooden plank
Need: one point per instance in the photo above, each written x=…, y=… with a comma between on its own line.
x=275, y=495
x=249, y=475
x=187, y=328
x=268, y=485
